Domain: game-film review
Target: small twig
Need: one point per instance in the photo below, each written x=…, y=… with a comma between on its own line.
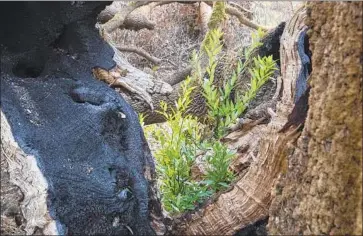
x=171, y=63
x=242, y=19
x=240, y=16
x=140, y=52
x=271, y=112
x=240, y=7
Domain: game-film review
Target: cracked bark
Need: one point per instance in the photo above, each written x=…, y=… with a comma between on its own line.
x=321, y=191
x=260, y=160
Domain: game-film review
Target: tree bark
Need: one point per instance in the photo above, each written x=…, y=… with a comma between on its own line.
x=26, y=176
x=321, y=191
x=260, y=151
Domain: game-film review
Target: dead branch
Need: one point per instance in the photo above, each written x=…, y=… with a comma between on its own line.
x=179, y=76
x=116, y=22
x=134, y=17
x=110, y=11
x=239, y=7
x=123, y=15
x=240, y=16
x=242, y=19
x=126, y=16
x=205, y=12
x=141, y=52
x=138, y=18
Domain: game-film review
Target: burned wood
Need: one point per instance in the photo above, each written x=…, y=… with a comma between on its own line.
x=298, y=113
x=73, y=146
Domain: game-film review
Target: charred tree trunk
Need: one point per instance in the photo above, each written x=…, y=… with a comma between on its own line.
x=73, y=156
x=321, y=191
